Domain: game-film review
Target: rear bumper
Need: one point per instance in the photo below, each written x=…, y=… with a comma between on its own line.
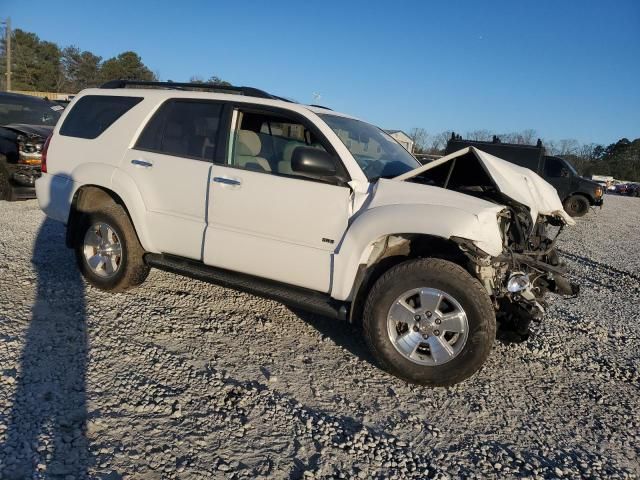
x=22, y=193
x=22, y=181
x=55, y=194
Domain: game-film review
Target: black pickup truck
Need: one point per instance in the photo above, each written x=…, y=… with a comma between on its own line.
x=25, y=124
x=577, y=193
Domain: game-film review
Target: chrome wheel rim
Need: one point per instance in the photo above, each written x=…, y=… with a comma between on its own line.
x=427, y=326
x=102, y=250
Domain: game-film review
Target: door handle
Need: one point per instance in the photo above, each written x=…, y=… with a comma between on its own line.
x=141, y=163
x=227, y=181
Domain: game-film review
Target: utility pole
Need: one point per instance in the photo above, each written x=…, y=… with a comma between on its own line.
x=8, y=51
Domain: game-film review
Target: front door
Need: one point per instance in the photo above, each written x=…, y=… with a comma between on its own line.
x=265, y=220
x=558, y=175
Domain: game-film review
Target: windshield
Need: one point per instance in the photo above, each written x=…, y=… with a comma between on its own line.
x=378, y=154
x=570, y=166
x=31, y=111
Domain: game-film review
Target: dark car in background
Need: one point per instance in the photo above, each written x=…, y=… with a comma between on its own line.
x=634, y=190
x=621, y=189
x=25, y=124
x=629, y=189
x=577, y=193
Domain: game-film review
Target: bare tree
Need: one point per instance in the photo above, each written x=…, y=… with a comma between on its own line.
x=480, y=135
x=588, y=151
x=420, y=137
x=567, y=146
x=528, y=136
x=439, y=142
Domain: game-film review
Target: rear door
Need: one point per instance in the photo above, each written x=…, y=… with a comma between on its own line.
x=170, y=164
x=264, y=219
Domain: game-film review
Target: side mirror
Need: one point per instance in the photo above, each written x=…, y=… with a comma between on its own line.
x=564, y=172
x=313, y=162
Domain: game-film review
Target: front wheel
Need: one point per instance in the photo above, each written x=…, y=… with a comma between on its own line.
x=108, y=252
x=428, y=321
x=576, y=205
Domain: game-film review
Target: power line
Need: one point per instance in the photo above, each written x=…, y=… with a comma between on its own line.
x=7, y=33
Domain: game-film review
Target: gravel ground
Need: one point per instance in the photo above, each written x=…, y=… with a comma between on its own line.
x=181, y=379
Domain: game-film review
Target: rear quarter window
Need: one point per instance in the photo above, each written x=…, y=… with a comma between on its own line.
x=93, y=114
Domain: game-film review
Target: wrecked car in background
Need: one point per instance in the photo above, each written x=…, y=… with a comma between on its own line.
x=577, y=193
x=310, y=207
x=25, y=124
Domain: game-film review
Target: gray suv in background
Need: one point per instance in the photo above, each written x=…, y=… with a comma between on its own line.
x=577, y=193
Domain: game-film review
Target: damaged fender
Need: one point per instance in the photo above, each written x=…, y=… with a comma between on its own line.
x=407, y=208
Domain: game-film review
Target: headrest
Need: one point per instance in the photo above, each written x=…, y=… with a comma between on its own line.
x=206, y=126
x=248, y=143
x=287, y=152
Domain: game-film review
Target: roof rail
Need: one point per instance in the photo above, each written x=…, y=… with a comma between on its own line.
x=248, y=91
x=319, y=106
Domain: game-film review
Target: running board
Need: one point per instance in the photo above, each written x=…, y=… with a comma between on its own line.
x=296, y=297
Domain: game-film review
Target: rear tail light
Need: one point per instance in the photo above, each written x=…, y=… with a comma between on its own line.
x=45, y=148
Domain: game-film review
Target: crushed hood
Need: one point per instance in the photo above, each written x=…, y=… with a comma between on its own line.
x=518, y=183
x=39, y=130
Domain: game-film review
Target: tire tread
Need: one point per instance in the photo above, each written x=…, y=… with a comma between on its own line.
x=444, y=267
x=136, y=270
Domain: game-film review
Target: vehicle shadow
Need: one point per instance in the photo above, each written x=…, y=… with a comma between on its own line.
x=46, y=434
x=343, y=333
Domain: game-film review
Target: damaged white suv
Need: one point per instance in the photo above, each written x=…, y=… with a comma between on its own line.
x=310, y=207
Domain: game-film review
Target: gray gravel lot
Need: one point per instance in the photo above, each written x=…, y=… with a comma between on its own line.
x=181, y=379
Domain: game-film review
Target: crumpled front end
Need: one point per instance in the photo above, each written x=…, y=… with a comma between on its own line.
x=519, y=273
x=524, y=273
x=22, y=148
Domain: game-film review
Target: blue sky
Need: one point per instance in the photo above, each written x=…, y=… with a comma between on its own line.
x=569, y=69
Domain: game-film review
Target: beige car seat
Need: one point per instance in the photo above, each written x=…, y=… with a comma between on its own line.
x=284, y=165
x=248, y=148
x=205, y=131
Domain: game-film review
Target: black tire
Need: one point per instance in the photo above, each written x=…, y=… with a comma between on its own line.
x=576, y=205
x=447, y=277
x=6, y=191
x=132, y=269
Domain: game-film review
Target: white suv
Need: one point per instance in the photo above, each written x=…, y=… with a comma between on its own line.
x=310, y=207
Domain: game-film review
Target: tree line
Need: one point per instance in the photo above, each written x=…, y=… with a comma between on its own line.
x=42, y=66
x=620, y=160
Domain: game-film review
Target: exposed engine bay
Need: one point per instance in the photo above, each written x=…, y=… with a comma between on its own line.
x=529, y=267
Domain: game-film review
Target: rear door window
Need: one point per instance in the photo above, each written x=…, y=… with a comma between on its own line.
x=93, y=114
x=184, y=128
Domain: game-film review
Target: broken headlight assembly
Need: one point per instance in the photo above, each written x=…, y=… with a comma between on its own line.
x=29, y=150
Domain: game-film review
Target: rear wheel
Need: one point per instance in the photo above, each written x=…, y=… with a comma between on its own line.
x=428, y=321
x=108, y=252
x=576, y=205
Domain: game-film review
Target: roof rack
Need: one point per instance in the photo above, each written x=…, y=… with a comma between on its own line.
x=248, y=91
